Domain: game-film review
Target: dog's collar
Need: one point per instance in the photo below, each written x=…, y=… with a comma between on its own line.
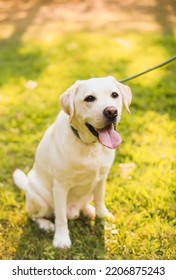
x=75, y=131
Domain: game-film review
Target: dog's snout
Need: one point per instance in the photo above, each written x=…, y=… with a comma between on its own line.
x=110, y=112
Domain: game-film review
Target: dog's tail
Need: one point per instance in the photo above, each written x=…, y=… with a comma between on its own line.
x=20, y=179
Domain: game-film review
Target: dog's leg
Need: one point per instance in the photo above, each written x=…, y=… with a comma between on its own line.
x=61, y=236
x=38, y=210
x=99, y=193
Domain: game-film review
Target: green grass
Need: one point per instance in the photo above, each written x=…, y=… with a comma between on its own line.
x=142, y=199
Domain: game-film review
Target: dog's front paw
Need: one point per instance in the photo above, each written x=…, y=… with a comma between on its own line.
x=104, y=213
x=89, y=211
x=61, y=241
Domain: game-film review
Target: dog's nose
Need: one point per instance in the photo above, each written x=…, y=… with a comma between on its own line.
x=110, y=112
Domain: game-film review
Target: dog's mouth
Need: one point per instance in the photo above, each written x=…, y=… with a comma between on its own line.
x=108, y=136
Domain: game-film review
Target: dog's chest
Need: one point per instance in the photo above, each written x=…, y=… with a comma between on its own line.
x=85, y=171
x=84, y=181
x=87, y=176
x=82, y=166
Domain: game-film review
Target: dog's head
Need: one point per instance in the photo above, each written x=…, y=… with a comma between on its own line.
x=94, y=107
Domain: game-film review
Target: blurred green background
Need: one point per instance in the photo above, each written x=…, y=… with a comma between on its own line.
x=44, y=47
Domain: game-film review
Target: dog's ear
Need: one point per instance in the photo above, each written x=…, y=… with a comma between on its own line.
x=126, y=93
x=67, y=99
x=127, y=96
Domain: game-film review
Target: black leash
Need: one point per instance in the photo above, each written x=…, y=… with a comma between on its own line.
x=148, y=70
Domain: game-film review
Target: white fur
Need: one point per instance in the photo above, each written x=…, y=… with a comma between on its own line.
x=70, y=171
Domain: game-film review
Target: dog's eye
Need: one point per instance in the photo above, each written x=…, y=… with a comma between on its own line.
x=90, y=98
x=115, y=95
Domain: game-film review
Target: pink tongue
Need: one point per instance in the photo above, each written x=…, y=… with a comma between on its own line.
x=109, y=137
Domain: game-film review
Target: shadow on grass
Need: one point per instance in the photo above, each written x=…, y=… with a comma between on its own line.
x=14, y=62
x=162, y=15
x=87, y=242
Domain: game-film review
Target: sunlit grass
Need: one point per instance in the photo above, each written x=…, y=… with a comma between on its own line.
x=143, y=197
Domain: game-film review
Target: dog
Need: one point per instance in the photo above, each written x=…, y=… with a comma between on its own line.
x=74, y=157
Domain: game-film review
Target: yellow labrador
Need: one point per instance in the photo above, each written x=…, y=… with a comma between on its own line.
x=74, y=157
